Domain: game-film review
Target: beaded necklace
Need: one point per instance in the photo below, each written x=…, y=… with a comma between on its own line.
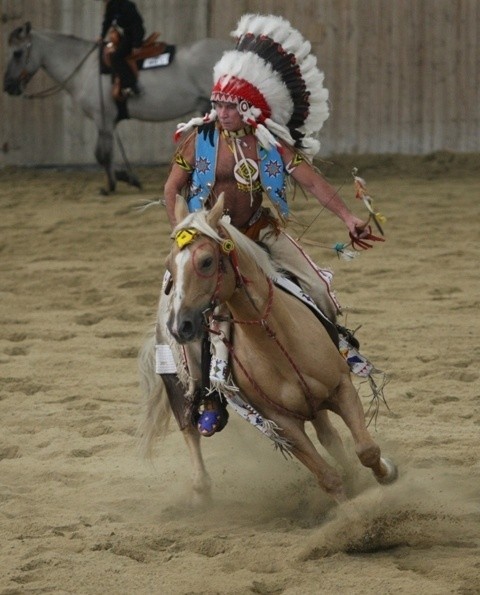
x=237, y=133
x=246, y=172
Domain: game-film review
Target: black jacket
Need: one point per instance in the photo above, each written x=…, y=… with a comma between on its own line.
x=125, y=14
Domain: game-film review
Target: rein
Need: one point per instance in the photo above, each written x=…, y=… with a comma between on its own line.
x=186, y=236
x=58, y=86
x=262, y=322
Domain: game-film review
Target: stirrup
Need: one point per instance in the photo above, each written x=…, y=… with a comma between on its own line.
x=130, y=92
x=214, y=415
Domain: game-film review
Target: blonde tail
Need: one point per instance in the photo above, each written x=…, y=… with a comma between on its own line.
x=156, y=407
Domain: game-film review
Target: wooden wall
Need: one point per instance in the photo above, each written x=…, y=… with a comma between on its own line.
x=403, y=75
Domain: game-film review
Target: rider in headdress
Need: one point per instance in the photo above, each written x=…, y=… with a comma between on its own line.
x=123, y=19
x=268, y=102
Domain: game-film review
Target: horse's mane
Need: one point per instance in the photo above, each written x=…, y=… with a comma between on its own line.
x=58, y=35
x=252, y=251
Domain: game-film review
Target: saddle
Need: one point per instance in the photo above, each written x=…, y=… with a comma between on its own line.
x=151, y=54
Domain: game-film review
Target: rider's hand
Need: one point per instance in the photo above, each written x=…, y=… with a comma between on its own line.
x=357, y=228
x=359, y=232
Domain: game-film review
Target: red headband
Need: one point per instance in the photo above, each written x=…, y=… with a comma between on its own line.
x=240, y=89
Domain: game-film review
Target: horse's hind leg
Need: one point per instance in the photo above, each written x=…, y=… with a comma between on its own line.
x=127, y=176
x=104, y=156
x=348, y=405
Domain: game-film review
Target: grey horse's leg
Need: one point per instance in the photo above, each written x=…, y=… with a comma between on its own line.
x=127, y=176
x=104, y=156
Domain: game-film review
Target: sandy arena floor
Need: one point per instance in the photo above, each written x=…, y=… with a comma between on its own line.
x=81, y=513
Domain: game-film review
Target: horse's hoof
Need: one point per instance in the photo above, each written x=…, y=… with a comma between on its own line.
x=135, y=182
x=124, y=176
x=392, y=472
x=104, y=192
x=201, y=498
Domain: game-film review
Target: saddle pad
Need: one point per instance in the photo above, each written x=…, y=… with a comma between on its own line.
x=292, y=288
x=359, y=364
x=160, y=61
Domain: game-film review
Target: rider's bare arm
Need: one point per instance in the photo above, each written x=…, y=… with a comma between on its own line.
x=314, y=183
x=179, y=176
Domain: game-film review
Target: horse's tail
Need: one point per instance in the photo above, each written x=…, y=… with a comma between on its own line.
x=156, y=408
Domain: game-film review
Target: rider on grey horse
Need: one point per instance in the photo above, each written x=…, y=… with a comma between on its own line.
x=124, y=18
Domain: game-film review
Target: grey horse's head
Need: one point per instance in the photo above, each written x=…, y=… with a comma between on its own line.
x=21, y=66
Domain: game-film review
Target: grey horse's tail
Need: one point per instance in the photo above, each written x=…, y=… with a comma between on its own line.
x=156, y=408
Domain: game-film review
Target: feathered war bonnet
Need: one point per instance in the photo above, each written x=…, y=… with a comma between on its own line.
x=273, y=78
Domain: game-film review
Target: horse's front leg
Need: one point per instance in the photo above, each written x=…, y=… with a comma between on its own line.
x=201, y=482
x=104, y=156
x=181, y=397
x=328, y=478
x=330, y=439
x=181, y=407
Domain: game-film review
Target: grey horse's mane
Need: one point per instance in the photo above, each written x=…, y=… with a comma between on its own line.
x=252, y=251
x=49, y=33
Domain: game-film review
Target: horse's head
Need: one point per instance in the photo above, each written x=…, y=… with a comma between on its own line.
x=200, y=268
x=23, y=63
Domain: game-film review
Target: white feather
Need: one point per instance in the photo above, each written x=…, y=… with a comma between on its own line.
x=258, y=72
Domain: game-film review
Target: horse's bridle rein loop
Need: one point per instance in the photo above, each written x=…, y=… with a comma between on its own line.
x=25, y=76
x=227, y=247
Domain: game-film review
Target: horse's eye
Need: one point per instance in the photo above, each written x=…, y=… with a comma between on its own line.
x=207, y=263
x=17, y=54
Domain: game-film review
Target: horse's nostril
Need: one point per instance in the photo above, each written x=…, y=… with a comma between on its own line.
x=11, y=88
x=186, y=329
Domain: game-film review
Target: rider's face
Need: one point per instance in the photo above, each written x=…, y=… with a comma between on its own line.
x=228, y=115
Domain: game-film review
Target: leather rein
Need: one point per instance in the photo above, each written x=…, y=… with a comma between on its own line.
x=25, y=76
x=227, y=248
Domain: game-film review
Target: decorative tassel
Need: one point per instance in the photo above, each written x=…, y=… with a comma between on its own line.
x=362, y=194
x=183, y=127
x=342, y=253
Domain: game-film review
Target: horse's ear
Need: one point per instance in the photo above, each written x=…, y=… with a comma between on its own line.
x=216, y=212
x=181, y=208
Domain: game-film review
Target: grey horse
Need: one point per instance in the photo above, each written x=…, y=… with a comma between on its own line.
x=169, y=92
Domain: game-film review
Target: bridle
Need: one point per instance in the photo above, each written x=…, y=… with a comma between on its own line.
x=25, y=76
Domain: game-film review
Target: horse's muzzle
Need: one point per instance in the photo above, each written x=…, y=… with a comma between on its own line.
x=12, y=86
x=186, y=327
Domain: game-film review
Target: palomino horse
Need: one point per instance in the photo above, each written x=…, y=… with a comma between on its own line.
x=283, y=360
x=169, y=92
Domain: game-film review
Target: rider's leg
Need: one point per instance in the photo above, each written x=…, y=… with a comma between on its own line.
x=220, y=336
x=121, y=67
x=316, y=282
